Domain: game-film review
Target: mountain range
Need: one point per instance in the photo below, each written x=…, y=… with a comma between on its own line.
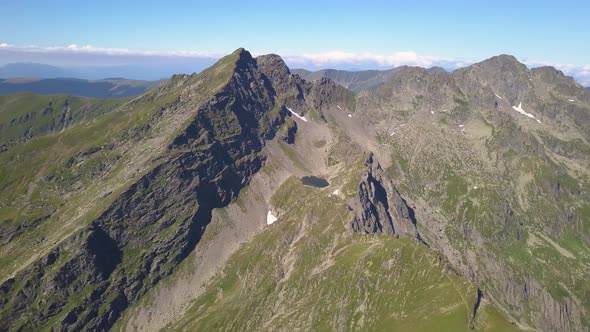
x=106, y=88
x=146, y=69
x=356, y=81
x=253, y=197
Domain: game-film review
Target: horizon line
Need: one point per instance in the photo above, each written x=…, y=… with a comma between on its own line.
x=88, y=55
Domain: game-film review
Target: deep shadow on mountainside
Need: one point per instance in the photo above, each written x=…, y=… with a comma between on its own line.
x=454, y=201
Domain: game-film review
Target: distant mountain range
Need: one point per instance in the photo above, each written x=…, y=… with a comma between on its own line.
x=356, y=81
x=106, y=88
x=139, y=71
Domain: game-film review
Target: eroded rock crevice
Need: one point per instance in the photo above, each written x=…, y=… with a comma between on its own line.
x=379, y=207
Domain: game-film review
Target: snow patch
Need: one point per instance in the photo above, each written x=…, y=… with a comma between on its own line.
x=297, y=115
x=335, y=193
x=461, y=126
x=392, y=133
x=521, y=111
x=572, y=100
x=340, y=108
x=349, y=115
x=432, y=112
x=498, y=96
x=270, y=218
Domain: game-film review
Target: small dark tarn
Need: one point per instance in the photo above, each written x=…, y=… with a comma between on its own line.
x=314, y=181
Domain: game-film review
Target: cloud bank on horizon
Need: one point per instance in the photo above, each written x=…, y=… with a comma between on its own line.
x=194, y=61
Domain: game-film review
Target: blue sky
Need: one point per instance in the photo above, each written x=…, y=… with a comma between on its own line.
x=307, y=33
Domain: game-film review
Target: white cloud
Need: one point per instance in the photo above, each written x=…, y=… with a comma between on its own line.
x=333, y=59
x=89, y=49
x=339, y=58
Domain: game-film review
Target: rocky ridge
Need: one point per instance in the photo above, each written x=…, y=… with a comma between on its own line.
x=157, y=221
x=471, y=167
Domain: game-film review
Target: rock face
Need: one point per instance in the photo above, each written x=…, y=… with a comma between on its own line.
x=529, y=295
x=379, y=208
x=356, y=81
x=152, y=226
x=484, y=180
x=28, y=116
x=88, y=280
x=291, y=132
x=461, y=154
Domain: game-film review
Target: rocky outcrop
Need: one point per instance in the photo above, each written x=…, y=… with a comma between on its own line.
x=77, y=272
x=525, y=296
x=86, y=282
x=152, y=226
x=304, y=96
x=290, y=133
x=494, y=218
x=379, y=208
x=356, y=81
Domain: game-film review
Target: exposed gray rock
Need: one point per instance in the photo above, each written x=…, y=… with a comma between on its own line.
x=142, y=236
x=291, y=132
x=151, y=227
x=379, y=208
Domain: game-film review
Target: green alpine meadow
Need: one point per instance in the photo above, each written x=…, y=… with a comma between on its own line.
x=438, y=201
x=308, y=166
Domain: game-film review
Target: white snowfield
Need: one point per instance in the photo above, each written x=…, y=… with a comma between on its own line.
x=498, y=96
x=521, y=111
x=270, y=218
x=297, y=115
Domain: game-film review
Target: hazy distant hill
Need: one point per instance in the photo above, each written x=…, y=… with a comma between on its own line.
x=155, y=69
x=107, y=88
x=34, y=70
x=356, y=81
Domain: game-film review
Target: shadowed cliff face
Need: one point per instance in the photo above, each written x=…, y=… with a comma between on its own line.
x=502, y=197
x=152, y=226
x=488, y=180
x=379, y=208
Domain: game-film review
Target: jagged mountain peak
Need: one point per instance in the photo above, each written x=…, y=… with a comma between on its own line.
x=274, y=67
x=196, y=165
x=238, y=59
x=272, y=58
x=552, y=75
x=242, y=53
x=502, y=62
x=504, y=67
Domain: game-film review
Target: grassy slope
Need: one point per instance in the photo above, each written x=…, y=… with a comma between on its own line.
x=307, y=271
x=106, y=88
x=24, y=113
x=49, y=201
x=474, y=179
